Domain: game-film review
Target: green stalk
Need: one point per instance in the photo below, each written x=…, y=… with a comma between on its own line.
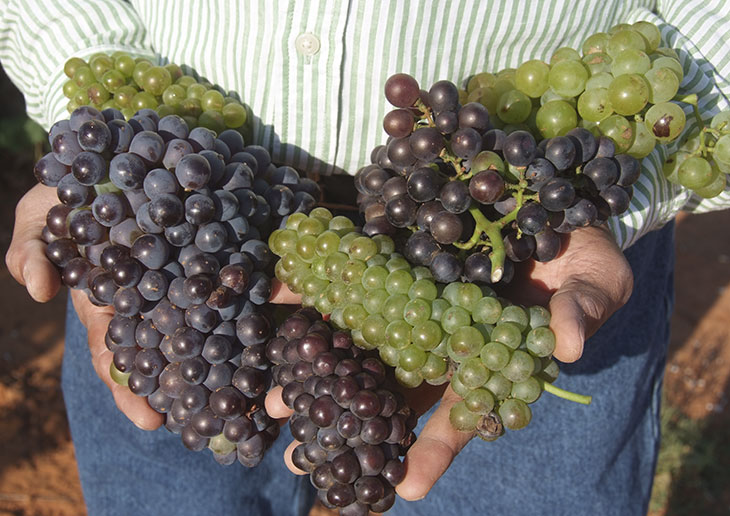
x=562, y=393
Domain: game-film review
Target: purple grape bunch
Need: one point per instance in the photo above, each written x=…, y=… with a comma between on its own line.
x=351, y=427
x=168, y=225
x=468, y=200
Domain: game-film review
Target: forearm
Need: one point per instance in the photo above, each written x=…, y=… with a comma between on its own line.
x=37, y=37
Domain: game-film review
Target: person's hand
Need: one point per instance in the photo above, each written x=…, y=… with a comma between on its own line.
x=582, y=287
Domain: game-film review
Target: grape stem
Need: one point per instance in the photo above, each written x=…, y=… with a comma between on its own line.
x=562, y=393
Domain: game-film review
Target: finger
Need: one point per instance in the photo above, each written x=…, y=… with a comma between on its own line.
x=96, y=319
x=433, y=451
x=568, y=324
x=275, y=406
x=287, y=458
x=281, y=294
x=26, y=259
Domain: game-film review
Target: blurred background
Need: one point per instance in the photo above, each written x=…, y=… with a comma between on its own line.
x=38, y=474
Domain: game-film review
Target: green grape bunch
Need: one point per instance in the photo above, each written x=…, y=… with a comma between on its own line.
x=129, y=84
x=496, y=355
x=622, y=85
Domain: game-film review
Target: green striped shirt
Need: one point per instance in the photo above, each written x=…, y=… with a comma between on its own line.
x=313, y=71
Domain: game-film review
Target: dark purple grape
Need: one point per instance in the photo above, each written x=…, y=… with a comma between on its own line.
x=557, y=194
x=474, y=115
x=398, y=123
x=65, y=147
x=94, y=135
x=121, y=134
x=150, y=362
x=547, y=245
x=238, y=429
x=56, y=220
x=478, y=268
x=193, y=171
x=142, y=385
x=227, y=403
x=466, y=142
x=518, y=249
x=371, y=458
x=401, y=211
x=85, y=229
x=402, y=90
x=217, y=349
x=423, y=184
x=581, y=213
x=72, y=193
x=446, y=122
x=146, y=335
x=49, y=171
x=61, y=251
x=585, y=143
x=618, y=198
x=561, y=152
x=531, y=218
x=127, y=171
x=159, y=181
x=426, y=143
x=166, y=210
x=167, y=317
x=171, y=127
x=280, y=199
x=421, y=248
x=127, y=301
x=486, y=187
x=372, y=179
x=219, y=375
x=602, y=171
x=454, y=196
x=538, y=172
x=206, y=423
x=519, y=148
x=446, y=227
x=493, y=140
x=629, y=169
x=443, y=96
x=399, y=152
x=109, y=209
x=75, y=273
x=445, y=267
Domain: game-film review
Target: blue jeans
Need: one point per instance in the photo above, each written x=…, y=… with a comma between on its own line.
x=571, y=459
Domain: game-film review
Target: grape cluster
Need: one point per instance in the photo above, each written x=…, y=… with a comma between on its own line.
x=352, y=428
x=702, y=162
x=621, y=74
x=168, y=225
x=481, y=199
x=496, y=355
x=128, y=84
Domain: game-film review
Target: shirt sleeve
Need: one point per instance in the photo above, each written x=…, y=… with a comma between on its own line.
x=37, y=37
x=698, y=30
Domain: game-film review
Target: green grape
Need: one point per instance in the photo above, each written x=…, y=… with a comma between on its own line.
x=516, y=315
x=185, y=81
x=423, y=289
x=480, y=401
x=321, y=213
x=334, y=263
x=600, y=80
x=721, y=121
x=113, y=80
x=488, y=160
x=629, y=61
x=472, y=373
x=541, y=341
x=555, y=118
x=389, y=356
x=665, y=121
x=508, y=333
x=398, y=281
x=313, y=286
x=345, y=241
x=442, y=349
x=73, y=64
x=550, y=370
x=97, y=93
x=563, y=54
x=296, y=280
x=355, y=294
x=385, y=244
x=667, y=52
x=531, y=78
x=624, y=40
x=417, y=311
x=110, y=104
x=375, y=300
x=670, y=168
x=327, y=243
x=155, y=80
x=311, y=226
x=363, y=248
x=337, y=318
x=354, y=316
x=426, y=335
x=373, y=329
x=291, y=262
x=174, y=70
x=220, y=445
x=336, y=292
x=528, y=391
x=671, y=63
x=190, y=120
x=494, y=355
x=486, y=96
x=83, y=77
x=190, y=107
x=520, y=366
x=340, y=223
x=715, y=188
x=412, y=358
x=305, y=248
x=513, y=107
x=539, y=316
x=212, y=99
x=467, y=296
x=293, y=220
x=234, y=115
x=69, y=88
x=663, y=84
x=593, y=105
x=286, y=242
x=438, y=307
x=139, y=69
x=374, y=277
x=118, y=376
x=459, y=388
x=319, y=268
x=100, y=64
x=435, y=370
x=196, y=91
x=125, y=65
x=619, y=130
x=481, y=80
x=651, y=34
x=212, y=120
x=397, y=262
x=499, y=386
x=173, y=95
x=359, y=341
x=596, y=43
x=597, y=62
x=463, y=419
x=628, y=94
x=353, y=270
x=515, y=414
x=721, y=150
x=393, y=307
x=568, y=78
x=696, y=172
x=454, y=318
x=487, y=310
x=644, y=141
x=503, y=84
x=465, y=342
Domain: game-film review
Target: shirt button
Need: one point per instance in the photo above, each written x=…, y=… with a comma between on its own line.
x=307, y=44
